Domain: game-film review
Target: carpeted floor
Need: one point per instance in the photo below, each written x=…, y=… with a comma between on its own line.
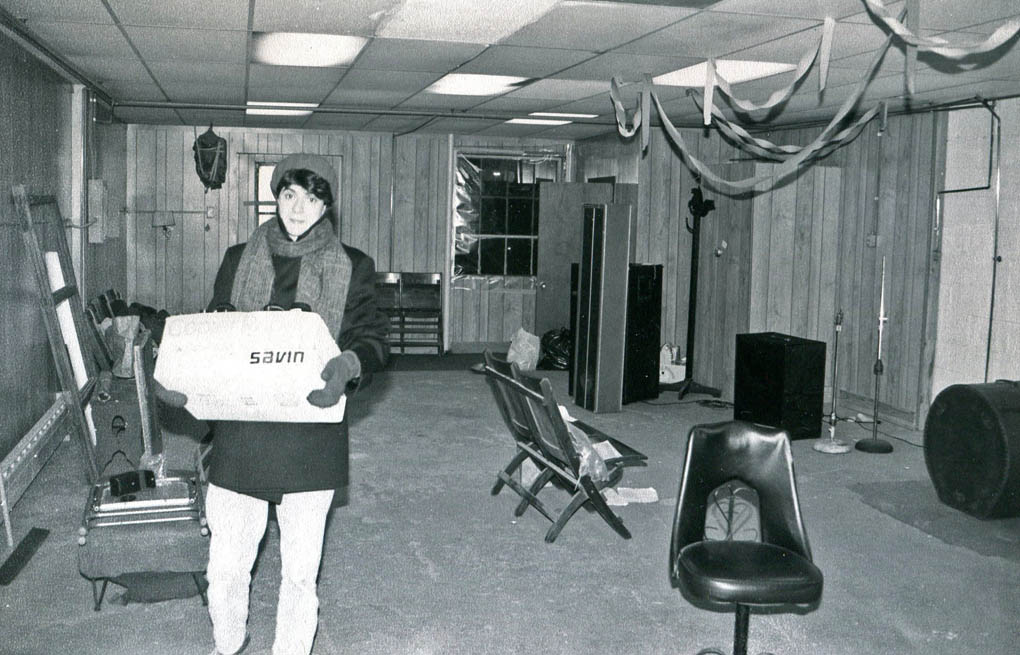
x=915, y=503
x=423, y=560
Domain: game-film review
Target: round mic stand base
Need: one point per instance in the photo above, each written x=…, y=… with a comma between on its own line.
x=831, y=445
x=874, y=445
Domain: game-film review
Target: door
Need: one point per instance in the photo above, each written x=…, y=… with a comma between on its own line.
x=560, y=220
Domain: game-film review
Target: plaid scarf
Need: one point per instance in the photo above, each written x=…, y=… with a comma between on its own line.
x=323, y=280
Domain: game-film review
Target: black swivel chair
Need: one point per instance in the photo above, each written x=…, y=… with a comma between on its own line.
x=775, y=572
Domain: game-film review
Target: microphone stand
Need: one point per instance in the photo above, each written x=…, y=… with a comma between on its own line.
x=699, y=207
x=832, y=445
x=874, y=444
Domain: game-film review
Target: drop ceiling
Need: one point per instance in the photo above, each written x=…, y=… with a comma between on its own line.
x=190, y=61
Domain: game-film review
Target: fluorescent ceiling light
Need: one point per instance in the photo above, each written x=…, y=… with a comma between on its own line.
x=301, y=49
x=467, y=84
x=733, y=71
x=537, y=121
x=280, y=108
x=555, y=114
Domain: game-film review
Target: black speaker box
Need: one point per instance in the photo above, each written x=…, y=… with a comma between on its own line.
x=972, y=448
x=643, y=331
x=780, y=382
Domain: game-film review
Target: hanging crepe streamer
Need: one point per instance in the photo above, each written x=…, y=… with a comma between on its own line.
x=55, y=274
x=822, y=143
x=706, y=112
x=819, y=53
x=910, y=54
x=941, y=47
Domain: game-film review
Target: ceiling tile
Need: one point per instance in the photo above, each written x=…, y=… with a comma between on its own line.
x=212, y=117
x=439, y=101
x=951, y=14
x=147, y=115
x=523, y=61
x=124, y=91
x=517, y=106
x=352, y=17
x=792, y=8
x=406, y=82
x=395, y=124
x=322, y=79
x=111, y=68
x=512, y=129
x=579, y=131
x=415, y=55
x=561, y=89
x=83, y=11
x=595, y=26
x=187, y=91
x=287, y=93
x=335, y=121
x=214, y=72
x=164, y=44
x=94, y=39
x=446, y=125
x=365, y=98
x=848, y=39
x=713, y=34
x=626, y=67
x=222, y=14
x=469, y=21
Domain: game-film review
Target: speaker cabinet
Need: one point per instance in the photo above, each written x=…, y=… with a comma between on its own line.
x=972, y=448
x=780, y=382
x=601, y=298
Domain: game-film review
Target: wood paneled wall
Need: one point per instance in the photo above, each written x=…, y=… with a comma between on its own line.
x=394, y=204
x=33, y=125
x=818, y=225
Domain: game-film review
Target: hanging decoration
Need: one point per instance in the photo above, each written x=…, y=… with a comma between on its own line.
x=937, y=45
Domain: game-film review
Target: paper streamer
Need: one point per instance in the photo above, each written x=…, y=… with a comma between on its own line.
x=939, y=46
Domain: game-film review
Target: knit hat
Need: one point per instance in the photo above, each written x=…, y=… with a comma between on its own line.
x=314, y=163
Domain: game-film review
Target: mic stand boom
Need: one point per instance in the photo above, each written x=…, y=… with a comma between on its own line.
x=874, y=444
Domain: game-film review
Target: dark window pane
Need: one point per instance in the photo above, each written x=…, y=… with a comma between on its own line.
x=518, y=256
x=494, y=177
x=534, y=216
x=491, y=251
x=518, y=190
x=534, y=257
x=493, y=216
x=466, y=263
x=518, y=216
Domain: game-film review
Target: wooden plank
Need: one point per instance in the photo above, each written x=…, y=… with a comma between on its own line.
x=781, y=252
x=145, y=203
x=384, y=249
x=174, y=238
x=801, y=280
x=422, y=181
x=761, y=235
x=358, y=226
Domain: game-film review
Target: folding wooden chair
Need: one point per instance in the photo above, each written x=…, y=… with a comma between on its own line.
x=561, y=459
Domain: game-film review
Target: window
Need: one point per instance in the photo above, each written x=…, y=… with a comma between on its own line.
x=496, y=213
x=265, y=201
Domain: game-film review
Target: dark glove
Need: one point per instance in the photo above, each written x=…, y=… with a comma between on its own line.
x=337, y=373
x=168, y=396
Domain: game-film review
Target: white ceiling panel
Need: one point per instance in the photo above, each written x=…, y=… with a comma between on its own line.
x=523, y=62
x=406, y=82
x=214, y=72
x=352, y=17
x=522, y=106
x=162, y=44
x=365, y=98
x=561, y=89
x=80, y=11
x=711, y=34
x=185, y=91
x=286, y=93
x=147, y=115
x=415, y=55
x=848, y=39
x=333, y=121
x=111, y=68
x=394, y=124
x=82, y=38
x=469, y=21
x=143, y=92
x=953, y=14
x=513, y=130
x=437, y=101
x=594, y=25
x=320, y=79
x=458, y=125
x=626, y=67
x=792, y=8
x=579, y=131
x=212, y=117
x=218, y=15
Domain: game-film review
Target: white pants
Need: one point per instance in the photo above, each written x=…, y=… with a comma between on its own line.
x=237, y=523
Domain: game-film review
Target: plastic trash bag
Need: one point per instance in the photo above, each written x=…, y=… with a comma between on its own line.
x=524, y=350
x=557, y=350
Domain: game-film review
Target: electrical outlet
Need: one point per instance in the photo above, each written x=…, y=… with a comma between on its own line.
x=873, y=240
